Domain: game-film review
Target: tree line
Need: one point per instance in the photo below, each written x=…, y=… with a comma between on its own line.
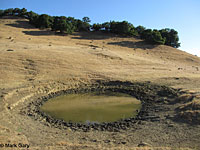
x=69, y=25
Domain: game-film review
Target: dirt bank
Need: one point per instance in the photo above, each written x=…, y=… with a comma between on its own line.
x=154, y=99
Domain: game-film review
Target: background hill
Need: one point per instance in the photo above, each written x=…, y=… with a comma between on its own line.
x=31, y=55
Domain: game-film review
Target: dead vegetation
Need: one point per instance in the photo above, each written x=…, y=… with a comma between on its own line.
x=34, y=69
x=190, y=111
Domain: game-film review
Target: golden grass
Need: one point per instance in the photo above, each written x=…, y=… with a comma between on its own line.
x=120, y=147
x=185, y=98
x=190, y=111
x=42, y=62
x=193, y=105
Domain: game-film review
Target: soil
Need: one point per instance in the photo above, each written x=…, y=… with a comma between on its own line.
x=154, y=99
x=37, y=64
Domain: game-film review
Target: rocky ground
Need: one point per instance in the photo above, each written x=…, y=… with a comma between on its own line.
x=36, y=64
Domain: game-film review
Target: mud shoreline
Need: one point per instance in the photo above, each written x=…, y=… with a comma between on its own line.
x=150, y=95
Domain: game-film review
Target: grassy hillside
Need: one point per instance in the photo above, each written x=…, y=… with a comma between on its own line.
x=37, y=62
x=29, y=55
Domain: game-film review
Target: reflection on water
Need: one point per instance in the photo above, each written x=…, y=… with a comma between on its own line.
x=92, y=108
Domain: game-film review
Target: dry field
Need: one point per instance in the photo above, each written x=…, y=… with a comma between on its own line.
x=36, y=62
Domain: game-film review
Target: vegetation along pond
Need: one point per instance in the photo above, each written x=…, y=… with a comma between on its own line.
x=92, y=107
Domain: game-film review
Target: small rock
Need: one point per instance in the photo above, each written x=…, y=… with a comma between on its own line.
x=10, y=50
x=155, y=119
x=94, y=140
x=123, y=142
x=107, y=141
x=165, y=102
x=170, y=125
x=143, y=144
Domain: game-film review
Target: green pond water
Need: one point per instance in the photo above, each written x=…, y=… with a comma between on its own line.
x=85, y=108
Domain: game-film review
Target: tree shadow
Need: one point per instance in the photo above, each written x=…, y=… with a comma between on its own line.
x=130, y=44
x=11, y=17
x=98, y=35
x=21, y=24
x=39, y=33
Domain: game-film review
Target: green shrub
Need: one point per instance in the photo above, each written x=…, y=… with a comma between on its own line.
x=97, y=27
x=62, y=24
x=70, y=24
x=171, y=37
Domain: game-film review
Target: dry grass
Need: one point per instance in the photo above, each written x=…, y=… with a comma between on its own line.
x=185, y=98
x=97, y=147
x=193, y=105
x=40, y=56
x=36, y=62
x=190, y=111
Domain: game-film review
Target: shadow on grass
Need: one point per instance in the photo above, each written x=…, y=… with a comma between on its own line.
x=11, y=17
x=130, y=44
x=21, y=24
x=39, y=33
x=98, y=35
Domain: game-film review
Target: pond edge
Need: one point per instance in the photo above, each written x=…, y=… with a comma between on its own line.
x=149, y=94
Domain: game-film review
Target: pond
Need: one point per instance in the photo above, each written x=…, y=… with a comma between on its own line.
x=92, y=107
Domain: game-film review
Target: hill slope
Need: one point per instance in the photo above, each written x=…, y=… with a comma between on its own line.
x=38, y=54
x=36, y=62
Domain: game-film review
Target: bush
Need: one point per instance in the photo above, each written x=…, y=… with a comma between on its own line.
x=8, y=12
x=33, y=17
x=123, y=28
x=69, y=25
x=82, y=25
x=62, y=24
x=23, y=12
x=140, y=30
x=16, y=11
x=171, y=37
x=152, y=36
x=86, y=20
x=157, y=38
x=106, y=26
x=97, y=27
x=146, y=34
x=44, y=21
x=1, y=13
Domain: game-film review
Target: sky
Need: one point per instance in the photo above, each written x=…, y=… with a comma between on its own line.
x=181, y=15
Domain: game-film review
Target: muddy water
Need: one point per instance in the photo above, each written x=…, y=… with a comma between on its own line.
x=84, y=108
